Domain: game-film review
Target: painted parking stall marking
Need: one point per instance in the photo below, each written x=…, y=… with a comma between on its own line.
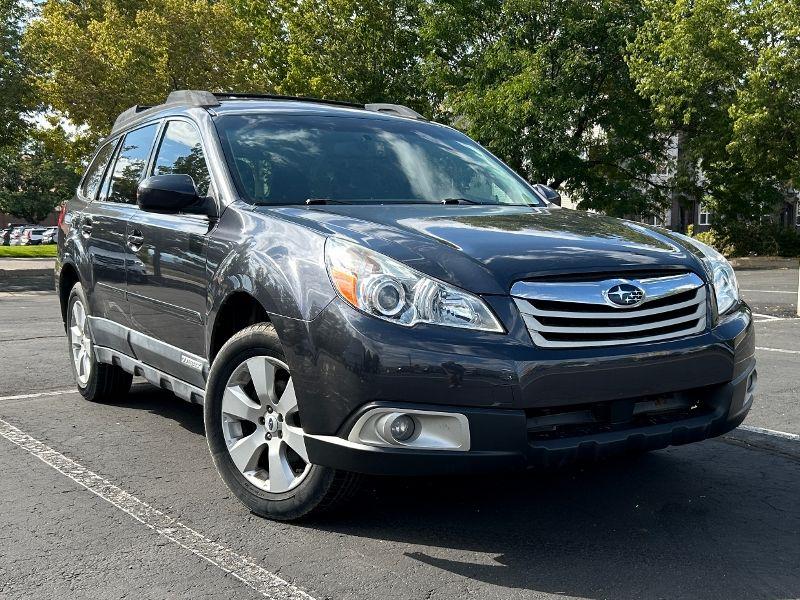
x=781, y=350
x=242, y=568
x=39, y=395
x=771, y=432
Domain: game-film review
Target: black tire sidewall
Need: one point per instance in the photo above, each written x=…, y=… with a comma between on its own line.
x=257, y=340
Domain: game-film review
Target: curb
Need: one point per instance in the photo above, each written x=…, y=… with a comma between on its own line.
x=759, y=263
x=11, y=274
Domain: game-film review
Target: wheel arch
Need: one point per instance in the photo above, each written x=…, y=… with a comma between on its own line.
x=67, y=278
x=239, y=309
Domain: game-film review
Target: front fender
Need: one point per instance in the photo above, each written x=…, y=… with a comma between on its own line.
x=280, y=264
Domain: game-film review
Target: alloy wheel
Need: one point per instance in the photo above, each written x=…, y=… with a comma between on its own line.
x=261, y=425
x=80, y=343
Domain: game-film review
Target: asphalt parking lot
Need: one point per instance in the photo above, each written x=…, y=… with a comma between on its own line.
x=118, y=501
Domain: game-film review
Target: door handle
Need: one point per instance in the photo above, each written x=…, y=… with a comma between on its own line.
x=135, y=240
x=86, y=227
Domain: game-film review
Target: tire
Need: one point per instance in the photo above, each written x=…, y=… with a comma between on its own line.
x=238, y=422
x=97, y=382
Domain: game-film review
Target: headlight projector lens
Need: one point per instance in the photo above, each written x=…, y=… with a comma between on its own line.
x=387, y=295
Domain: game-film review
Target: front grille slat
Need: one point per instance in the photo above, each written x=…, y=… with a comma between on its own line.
x=586, y=327
x=674, y=306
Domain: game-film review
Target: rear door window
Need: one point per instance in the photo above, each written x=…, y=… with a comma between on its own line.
x=130, y=165
x=94, y=174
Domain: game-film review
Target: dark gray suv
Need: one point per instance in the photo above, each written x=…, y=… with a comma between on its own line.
x=352, y=289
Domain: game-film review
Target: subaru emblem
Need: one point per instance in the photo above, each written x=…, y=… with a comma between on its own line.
x=625, y=294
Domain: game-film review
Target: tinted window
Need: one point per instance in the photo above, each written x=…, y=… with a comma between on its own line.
x=289, y=159
x=181, y=152
x=94, y=174
x=130, y=164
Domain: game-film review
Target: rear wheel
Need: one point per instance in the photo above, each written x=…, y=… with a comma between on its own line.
x=255, y=432
x=96, y=381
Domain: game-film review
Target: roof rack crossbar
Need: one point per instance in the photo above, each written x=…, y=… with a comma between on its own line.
x=250, y=96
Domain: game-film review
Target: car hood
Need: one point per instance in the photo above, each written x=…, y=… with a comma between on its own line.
x=486, y=249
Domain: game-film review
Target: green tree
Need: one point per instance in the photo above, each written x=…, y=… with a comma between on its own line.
x=94, y=59
x=544, y=85
x=357, y=50
x=14, y=91
x=33, y=178
x=702, y=65
x=766, y=109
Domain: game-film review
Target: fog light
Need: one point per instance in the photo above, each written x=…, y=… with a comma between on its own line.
x=402, y=428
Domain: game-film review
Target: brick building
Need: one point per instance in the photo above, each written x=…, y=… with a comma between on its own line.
x=6, y=220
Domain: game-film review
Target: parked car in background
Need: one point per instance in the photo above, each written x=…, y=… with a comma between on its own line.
x=31, y=236
x=50, y=235
x=16, y=235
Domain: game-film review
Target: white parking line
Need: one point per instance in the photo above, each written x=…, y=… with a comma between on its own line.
x=764, y=318
x=39, y=394
x=777, y=350
x=780, y=434
x=244, y=569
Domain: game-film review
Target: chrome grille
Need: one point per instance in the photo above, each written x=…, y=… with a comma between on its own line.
x=578, y=314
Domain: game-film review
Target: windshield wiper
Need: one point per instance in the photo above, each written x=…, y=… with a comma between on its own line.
x=461, y=201
x=315, y=201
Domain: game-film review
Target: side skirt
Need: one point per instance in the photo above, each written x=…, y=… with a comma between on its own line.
x=158, y=378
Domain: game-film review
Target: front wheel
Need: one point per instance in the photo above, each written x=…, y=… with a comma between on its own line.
x=255, y=432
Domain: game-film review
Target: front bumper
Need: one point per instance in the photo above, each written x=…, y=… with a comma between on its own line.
x=501, y=440
x=354, y=363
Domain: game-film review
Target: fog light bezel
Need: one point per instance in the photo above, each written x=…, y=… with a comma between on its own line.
x=433, y=430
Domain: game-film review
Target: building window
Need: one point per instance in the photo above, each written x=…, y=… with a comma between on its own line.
x=704, y=218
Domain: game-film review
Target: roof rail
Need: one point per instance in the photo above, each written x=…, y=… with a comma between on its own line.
x=204, y=99
x=395, y=109
x=249, y=96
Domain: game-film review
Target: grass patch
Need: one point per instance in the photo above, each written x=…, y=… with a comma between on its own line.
x=46, y=251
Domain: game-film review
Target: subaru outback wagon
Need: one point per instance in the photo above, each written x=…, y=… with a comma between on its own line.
x=351, y=289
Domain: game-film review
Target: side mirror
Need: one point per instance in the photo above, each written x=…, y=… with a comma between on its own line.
x=172, y=194
x=549, y=193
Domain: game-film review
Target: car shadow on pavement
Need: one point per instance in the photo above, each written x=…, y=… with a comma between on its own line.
x=709, y=521
x=163, y=403
x=717, y=519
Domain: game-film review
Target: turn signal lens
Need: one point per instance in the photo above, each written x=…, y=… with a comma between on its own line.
x=345, y=283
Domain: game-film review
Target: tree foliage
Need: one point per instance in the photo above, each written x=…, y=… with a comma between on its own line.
x=36, y=177
x=96, y=58
x=544, y=85
x=357, y=50
x=766, y=110
x=594, y=98
x=719, y=75
x=14, y=92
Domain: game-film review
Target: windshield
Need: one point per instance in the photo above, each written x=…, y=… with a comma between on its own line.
x=294, y=159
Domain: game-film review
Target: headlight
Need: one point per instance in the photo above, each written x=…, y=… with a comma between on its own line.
x=726, y=288
x=387, y=289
